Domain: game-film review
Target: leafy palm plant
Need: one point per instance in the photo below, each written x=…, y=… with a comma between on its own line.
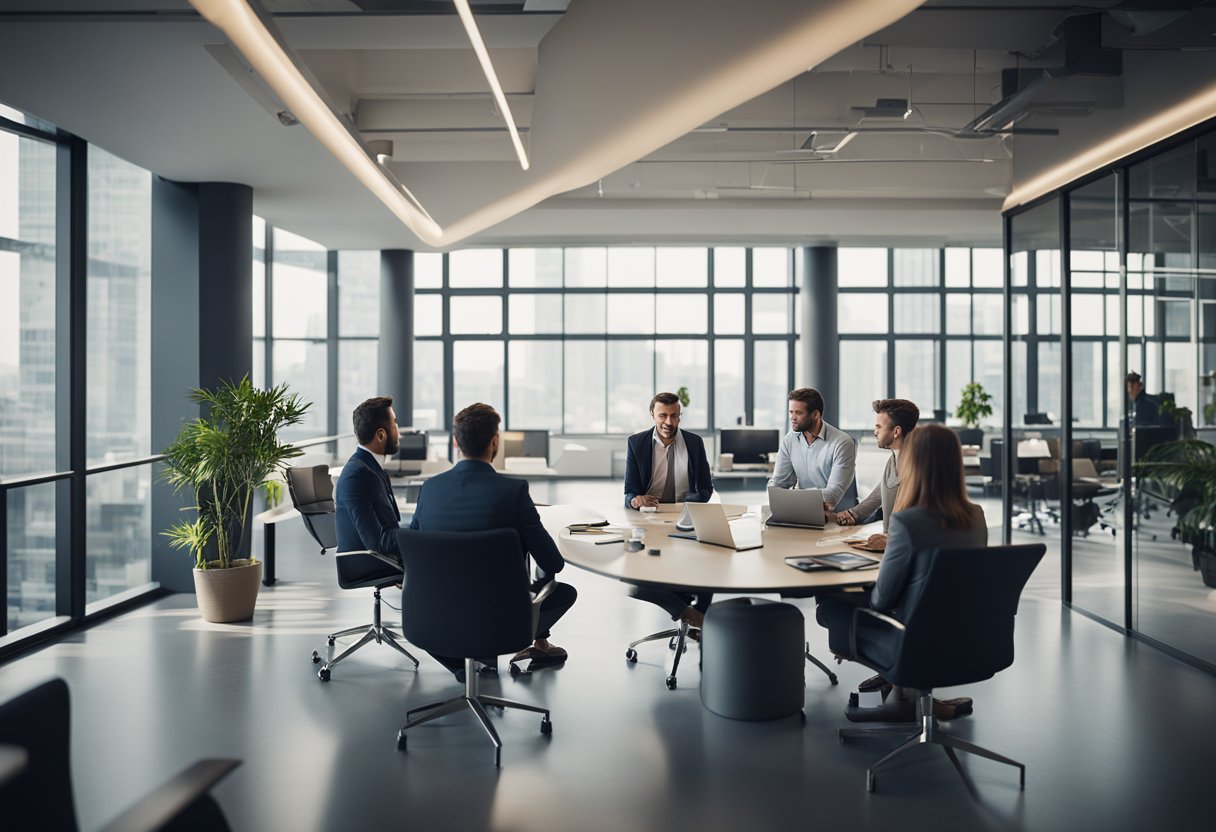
x=1189, y=466
x=973, y=405
x=223, y=457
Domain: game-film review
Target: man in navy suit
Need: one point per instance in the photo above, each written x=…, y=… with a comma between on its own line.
x=365, y=512
x=472, y=496
x=665, y=464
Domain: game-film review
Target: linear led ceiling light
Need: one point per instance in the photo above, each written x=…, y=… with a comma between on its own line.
x=487, y=68
x=1170, y=121
x=255, y=36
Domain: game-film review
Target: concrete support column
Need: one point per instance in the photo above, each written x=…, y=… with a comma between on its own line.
x=397, y=332
x=819, y=342
x=202, y=324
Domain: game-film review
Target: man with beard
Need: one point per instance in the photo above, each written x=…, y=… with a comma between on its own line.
x=894, y=419
x=665, y=464
x=365, y=512
x=814, y=454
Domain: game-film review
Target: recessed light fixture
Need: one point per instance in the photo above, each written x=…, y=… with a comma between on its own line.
x=487, y=68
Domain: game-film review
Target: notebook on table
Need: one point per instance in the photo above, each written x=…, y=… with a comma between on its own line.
x=844, y=561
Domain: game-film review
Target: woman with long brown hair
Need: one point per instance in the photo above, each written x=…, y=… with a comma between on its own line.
x=931, y=511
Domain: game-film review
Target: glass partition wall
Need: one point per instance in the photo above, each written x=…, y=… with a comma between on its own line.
x=1134, y=292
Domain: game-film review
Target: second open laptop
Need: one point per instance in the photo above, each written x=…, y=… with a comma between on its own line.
x=711, y=525
x=799, y=508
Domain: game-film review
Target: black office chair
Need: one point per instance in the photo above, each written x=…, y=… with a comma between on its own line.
x=958, y=630
x=312, y=493
x=467, y=595
x=40, y=796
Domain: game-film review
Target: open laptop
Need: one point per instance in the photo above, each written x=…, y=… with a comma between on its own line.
x=711, y=526
x=799, y=508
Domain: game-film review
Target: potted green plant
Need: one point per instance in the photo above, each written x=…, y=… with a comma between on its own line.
x=1187, y=467
x=682, y=395
x=223, y=457
x=973, y=406
x=1180, y=416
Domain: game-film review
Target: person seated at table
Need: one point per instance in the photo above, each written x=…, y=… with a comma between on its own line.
x=894, y=419
x=365, y=513
x=473, y=496
x=814, y=454
x=667, y=464
x=931, y=511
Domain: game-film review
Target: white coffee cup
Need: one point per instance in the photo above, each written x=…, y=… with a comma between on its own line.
x=726, y=462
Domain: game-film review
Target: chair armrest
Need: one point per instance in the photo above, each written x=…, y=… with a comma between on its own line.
x=881, y=619
x=166, y=803
x=389, y=559
x=545, y=592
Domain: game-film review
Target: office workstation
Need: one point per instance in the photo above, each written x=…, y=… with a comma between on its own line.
x=1001, y=213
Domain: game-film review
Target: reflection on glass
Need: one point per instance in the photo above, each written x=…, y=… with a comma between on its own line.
x=359, y=293
x=428, y=387
x=535, y=385
x=728, y=382
x=584, y=402
x=685, y=364
x=477, y=374
x=118, y=531
x=32, y=526
x=863, y=378
x=772, y=384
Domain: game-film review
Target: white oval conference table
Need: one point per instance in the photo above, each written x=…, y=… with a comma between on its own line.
x=690, y=566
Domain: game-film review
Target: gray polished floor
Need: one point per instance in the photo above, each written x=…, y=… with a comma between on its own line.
x=1115, y=735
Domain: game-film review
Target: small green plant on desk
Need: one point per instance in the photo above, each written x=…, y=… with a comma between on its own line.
x=974, y=405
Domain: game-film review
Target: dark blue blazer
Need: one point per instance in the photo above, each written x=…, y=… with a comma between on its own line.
x=639, y=460
x=472, y=496
x=365, y=512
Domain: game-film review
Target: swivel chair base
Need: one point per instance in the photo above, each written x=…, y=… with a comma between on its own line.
x=476, y=702
x=676, y=640
x=375, y=631
x=826, y=670
x=928, y=734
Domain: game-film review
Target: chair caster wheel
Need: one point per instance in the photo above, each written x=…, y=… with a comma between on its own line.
x=401, y=741
x=316, y=657
x=631, y=656
x=546, y=726
x=323, y=674
x=329, y=642
x=671, y=682
x=832, y=678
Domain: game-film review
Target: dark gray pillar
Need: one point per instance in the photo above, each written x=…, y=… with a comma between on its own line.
x=225, y=273
x=819, y=342
x=202, y=324
x=397, y=332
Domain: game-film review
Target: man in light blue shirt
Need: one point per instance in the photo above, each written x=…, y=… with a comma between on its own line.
x=814, y=454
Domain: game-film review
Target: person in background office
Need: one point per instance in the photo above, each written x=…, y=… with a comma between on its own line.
x=931, y=511
x=894, y=419
x=1142, y=409
x=814, y=454
x=666, y=464
x=472, y=496
x=365, y=512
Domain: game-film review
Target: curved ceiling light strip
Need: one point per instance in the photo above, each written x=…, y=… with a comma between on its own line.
x=487, y=68
x=255, y=36
x=1147, y=132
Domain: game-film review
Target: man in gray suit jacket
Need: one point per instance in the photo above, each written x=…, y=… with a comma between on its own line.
x=894, y=419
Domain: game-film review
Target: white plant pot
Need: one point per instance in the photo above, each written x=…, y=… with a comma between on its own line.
x=228, y=594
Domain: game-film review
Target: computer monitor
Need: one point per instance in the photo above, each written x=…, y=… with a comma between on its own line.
x=413, y=445
x=750, y=446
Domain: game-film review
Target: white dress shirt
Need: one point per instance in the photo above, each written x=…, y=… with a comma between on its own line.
x=658, y=467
